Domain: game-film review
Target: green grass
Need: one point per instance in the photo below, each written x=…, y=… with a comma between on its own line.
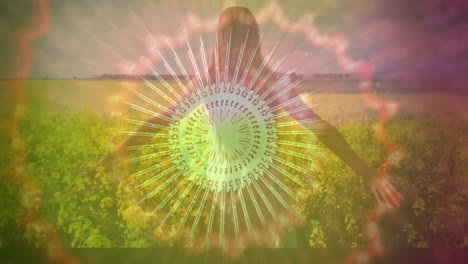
x=69, y=127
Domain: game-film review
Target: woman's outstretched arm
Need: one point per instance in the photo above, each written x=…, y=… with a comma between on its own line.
x=152, y=125
x=383, y=190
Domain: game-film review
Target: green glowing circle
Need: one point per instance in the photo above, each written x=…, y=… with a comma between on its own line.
x=223, y=137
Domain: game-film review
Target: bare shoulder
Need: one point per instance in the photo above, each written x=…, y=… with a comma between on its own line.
x=284, y=88
x=290, y=99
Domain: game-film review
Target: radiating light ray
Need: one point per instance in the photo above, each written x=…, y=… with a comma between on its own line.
x=145, y=134
x=205, y=64
x=295, y=123
x=282, y=93
x=150, y=156
x=309, y=146
x=295, y=110
x=271, y=71
x=266, y=78
x=182, y=68
x=264, y=199
x=190, y=207
x=162, y=94
x=145, y=123
x=194, y=65
x=170, y=195
x=240, y=57
x=174, y=76
x=169, y=87
x=273, y=190
x=142, y=109
x=179, y=200
x=164, y=185
x=257, y=208
x=278, y=83
x=155, y=178
x=211, y=218
x=234, y=213
x=216, y=54
x=222, y=216
x=151, y=146
x=200, y=211
x=227, y=57
x=293, y=166
x=249, y=63
x=295, y=132
x=152, y=102
x=262, y=66
x=280, y=183
x=294, y=153
x=177, y=79
x=157, y=166
x=244, y=209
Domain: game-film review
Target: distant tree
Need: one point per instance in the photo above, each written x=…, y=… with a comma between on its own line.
x=316, y=76
x=104, y=76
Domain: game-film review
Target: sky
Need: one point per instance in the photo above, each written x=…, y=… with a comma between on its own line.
x=88, y=38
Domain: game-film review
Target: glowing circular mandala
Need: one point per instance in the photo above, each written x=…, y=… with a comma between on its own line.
x=224, y=136
x=230, y=161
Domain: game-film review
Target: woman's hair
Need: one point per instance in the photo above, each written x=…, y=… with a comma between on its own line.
x=234, y=24
x=237, y=26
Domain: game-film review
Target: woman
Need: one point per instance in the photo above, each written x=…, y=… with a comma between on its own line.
x=237, y=60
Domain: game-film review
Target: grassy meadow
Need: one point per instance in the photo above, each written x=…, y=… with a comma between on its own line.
x=71, y=124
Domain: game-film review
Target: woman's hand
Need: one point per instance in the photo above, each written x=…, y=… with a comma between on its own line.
x=384, y=191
